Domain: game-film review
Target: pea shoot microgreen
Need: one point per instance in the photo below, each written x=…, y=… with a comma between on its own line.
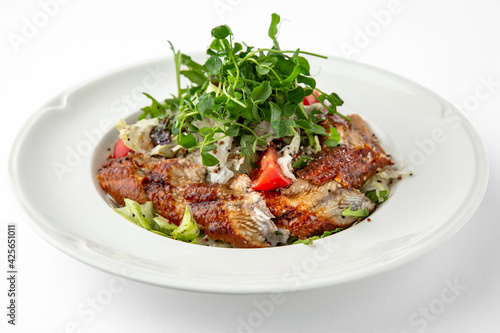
x=237, y=88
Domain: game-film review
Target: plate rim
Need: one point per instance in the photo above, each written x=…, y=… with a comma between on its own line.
x=481, y=176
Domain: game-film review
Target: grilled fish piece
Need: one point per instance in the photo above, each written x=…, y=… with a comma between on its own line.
x=179, y=172
x=347, y=166
x=307, y=210
x=354, y=133
x=232, y=212
x=164, y=185
x=362, y=130
x=122, y=178
x=168, y=199
x=353, y=161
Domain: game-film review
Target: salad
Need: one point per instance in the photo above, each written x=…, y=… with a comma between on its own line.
x=251, y=153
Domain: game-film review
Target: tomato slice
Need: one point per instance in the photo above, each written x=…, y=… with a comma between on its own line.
x=311, y=99
x=120, y=149
x=269, y=175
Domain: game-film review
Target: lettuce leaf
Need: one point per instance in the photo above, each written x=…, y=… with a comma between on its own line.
x=355, y=213
x=188, y=230
x=309, y=241
x=145, y=216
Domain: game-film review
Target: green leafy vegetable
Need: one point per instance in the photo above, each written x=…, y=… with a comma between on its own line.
x=165, y=225
x=309, y=241
x=334, y=138
x=273, y=29
x=221, y=32
x=261, y=92
x=377, y=187
x=377, y=197
x=145, y=216
x=238, y=87
x=187, y=141
x=355, y=213
x=141, y=215
x=302, y=162
x=156, y=109
x=209, y=159
x=188, y=229
x=214, y=65
x=205, y=104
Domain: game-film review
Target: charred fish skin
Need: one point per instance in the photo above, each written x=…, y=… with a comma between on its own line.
x=179, y=172
x=122, y=178
x=347, y=166
x=168, y=200
x=357, y=157
x=354, y=133
x=165, y=185
x=306, y=209
x=232, y=212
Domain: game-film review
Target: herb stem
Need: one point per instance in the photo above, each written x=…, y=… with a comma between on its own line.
x=326, y=107
x=264, y=66
x=231, y=97
x=251, y=54
x=303, y=110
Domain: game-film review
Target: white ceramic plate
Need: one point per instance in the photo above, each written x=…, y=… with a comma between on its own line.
x=54, y=161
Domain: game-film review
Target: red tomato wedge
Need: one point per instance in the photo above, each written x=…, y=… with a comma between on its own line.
x=269, y=175
x=120, y=149
x=311, y=99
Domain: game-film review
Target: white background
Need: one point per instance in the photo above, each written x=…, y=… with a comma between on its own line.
x=450, y=47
